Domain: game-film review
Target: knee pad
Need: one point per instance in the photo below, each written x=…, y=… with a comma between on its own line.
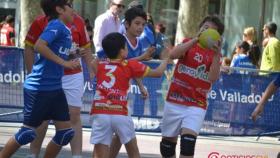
x=167, y=148
x=63, y=137
x=187, y=144
x=25, y=135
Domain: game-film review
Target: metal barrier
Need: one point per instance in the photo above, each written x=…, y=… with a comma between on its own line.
x=231, y=100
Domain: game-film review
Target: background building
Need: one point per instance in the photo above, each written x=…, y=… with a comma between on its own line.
x=237, y=14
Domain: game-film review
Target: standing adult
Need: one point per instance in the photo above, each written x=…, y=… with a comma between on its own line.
x=72, y=81
x=7, y=32
x=185, y=108
x=106, y=23
x=271, y=53
x=250, y=35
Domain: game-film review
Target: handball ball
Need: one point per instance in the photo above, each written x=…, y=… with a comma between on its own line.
x=208, y=38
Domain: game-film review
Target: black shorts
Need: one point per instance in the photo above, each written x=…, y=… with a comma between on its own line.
x=44, y=105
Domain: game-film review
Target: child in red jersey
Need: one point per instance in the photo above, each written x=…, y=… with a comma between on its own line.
x=186, y=103
x=109, y=108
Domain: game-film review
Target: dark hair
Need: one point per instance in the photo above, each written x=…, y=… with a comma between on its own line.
x=216, y=20
x=272, y=27
x=9, y=19
x=49, y=7
x=134, y=12
x=161, y=27
x=244, y=45
x=254, y=54
x=112, y=44
x=89, y=28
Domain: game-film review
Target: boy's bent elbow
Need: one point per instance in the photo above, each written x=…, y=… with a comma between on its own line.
x=154, y=74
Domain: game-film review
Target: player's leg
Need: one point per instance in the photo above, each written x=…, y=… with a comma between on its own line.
x=64, y=134
x=101, y=135
x=132, y=149
x=73, y=89
x=34, y=111
x=101, y=151
x=75, y=120
x=115, y=146
x=60, y=116
x=35, y=146
x=168, y=147
x=192, y=122
x=188, y=140
x=24, y=136
x=170, y=128
x=126, y=133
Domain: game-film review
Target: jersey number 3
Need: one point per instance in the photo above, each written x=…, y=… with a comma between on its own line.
x=110, y=84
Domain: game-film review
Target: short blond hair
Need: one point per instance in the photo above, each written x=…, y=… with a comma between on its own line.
x=251, y=33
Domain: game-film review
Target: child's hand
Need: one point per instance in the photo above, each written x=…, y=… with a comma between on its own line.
x=149, y=52
x=72, y=64
x=144, y=93
x=256, y=114
x=83, y=52
x=217, y=47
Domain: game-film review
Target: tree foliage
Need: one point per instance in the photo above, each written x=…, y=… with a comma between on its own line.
x=191, y=12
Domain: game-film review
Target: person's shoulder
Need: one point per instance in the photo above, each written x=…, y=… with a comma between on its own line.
x=273, y=41
x=78, y=19
x=41, y=18
x=101, y=17
x=132, y=62
x=56, y=25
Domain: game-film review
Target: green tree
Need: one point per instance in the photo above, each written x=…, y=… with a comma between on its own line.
x=29, y=10
x=191, y=12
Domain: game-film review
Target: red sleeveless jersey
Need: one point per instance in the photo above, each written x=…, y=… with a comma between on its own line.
x=79, y=35
x=112, y=85
x=190, y=83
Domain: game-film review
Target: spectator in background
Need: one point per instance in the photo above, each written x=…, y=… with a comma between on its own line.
x=148, y=35
x=240, y=48
x=250, y=35
x=7, y=32
x=271, y=53
x=106, y=23
x=162, y=42
x=249, y=59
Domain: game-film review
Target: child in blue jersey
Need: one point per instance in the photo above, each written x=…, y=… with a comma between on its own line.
x=270, y=90
x=247, y=57
x=44, y=98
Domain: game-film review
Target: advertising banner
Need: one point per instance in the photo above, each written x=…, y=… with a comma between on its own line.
x=231, y=100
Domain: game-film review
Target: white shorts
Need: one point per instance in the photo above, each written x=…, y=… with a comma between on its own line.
x=104, y=126
x=176, y=117
x=73, y=86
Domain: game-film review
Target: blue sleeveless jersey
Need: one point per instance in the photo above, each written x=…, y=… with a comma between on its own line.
x=46, y=75
x=242, y=61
